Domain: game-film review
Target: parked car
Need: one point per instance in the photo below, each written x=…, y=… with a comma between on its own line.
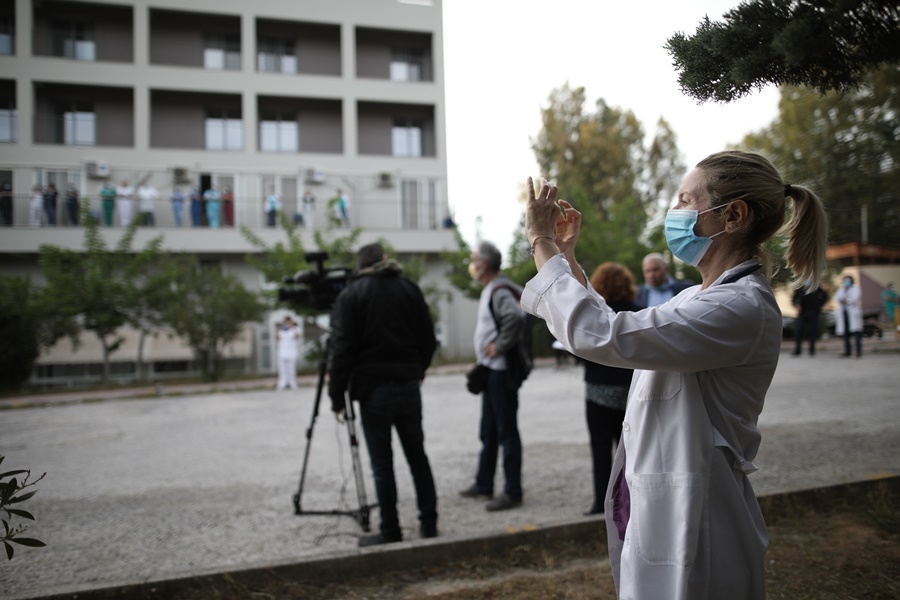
x=871, y=328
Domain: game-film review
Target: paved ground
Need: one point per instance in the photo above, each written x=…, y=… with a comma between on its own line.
x=156, y=488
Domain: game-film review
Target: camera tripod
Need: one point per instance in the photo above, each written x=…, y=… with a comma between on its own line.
x=362, y=513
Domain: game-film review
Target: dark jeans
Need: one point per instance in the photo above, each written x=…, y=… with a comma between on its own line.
x=398, y=405
x=72, y=210
x=605, y=428
x=148, y=219
x=848, y=333
x=807, y=323
x=499, y=428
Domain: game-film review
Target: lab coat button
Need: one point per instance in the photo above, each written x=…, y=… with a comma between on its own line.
x=626, y=426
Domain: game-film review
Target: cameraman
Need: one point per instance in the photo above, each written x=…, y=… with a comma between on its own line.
x=382, y=341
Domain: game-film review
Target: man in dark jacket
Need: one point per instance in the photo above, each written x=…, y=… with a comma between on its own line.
x=382, y=341
x=809, y=305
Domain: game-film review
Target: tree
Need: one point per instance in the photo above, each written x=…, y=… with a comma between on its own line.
x=19, y=330
x=96, y=286
x=606, y=168
x=847, y=148
x=209, y=309
x=823, y=44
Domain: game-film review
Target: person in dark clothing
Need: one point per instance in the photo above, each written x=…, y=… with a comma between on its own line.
x=382, y=341
x=606, y=388
x=72, y=205
x=809, y=306
x=50, y=197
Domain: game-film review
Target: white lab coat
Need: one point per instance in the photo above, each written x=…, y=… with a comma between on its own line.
x=851, y=299
x=695, y=528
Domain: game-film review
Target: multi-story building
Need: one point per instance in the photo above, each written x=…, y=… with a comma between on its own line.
x=255, y=98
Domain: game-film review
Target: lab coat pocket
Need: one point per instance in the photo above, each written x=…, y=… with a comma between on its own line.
x=665, y=519
x=656, y=386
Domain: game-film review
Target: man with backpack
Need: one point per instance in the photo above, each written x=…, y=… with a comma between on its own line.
x=498, y=333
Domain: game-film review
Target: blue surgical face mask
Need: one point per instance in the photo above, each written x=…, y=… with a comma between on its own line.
x=680, y=236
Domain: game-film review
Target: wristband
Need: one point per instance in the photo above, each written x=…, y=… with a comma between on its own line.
x=535, y=241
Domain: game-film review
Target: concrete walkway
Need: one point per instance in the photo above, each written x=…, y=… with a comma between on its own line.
x=173, y=486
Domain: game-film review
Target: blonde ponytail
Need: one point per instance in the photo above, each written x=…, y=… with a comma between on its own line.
x=807, y=236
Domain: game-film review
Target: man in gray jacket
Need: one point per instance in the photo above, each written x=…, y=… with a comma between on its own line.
x=497, y=329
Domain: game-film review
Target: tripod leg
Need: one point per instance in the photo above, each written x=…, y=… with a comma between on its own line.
x=357, y=466
x=323, y=365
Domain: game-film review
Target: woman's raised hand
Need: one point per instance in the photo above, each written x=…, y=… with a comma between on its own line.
x=568, y=228
x=541, y=211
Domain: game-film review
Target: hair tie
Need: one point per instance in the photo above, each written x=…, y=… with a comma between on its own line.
x=788, y=189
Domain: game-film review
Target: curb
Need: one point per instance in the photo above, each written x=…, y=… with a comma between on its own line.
x=419, y=553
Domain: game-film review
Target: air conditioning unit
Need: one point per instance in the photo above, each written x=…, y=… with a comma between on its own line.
x=385, y=180
x=97, y=169
x=181, y=174
x=315, y=175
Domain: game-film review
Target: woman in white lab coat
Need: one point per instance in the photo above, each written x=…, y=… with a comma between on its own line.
x=682, y=519
x=848, y=317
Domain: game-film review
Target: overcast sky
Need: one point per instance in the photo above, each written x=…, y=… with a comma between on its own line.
x=502, y=59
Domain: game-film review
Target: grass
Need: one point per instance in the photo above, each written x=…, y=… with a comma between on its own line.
x=847, y=550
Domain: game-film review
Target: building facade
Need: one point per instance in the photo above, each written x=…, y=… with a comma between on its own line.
x=258, y=103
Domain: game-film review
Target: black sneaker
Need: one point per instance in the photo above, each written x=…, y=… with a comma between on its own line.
x=503, y=502
x=428, y=531
x=376, y=540
x=474, y=492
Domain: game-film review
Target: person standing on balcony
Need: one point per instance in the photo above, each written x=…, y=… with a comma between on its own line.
x=196, y=208
x=108, y=202
x=213, y=206
x=342, y=208
x=125, y=203
x=6, y=204
x=228, y=207
x=177, y=199
x=72, y=205
x=36, y=210
x=147, y=197
x=272, y=206
x=50, y=198
x=309, y=209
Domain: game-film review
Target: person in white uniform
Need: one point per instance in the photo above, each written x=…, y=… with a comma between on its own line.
x=288, y=336
x=682, y=519
x=848, y=317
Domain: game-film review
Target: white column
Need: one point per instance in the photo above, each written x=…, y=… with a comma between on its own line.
x=141, y=36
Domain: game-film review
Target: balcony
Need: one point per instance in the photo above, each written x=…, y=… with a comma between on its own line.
x=292, y=47
x=190, y=39
x=83, y=115
x=393, y=55
x=299, y=125
x=83, y=31
x=9, y=127
x=196, y=121
x=400, y=130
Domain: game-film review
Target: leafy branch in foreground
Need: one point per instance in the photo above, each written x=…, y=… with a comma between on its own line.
x=8, y=491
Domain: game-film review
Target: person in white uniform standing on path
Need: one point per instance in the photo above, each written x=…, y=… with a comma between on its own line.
x=682, y=519
x=288, y=336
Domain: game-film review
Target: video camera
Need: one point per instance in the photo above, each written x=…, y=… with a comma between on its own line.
x=317, y=289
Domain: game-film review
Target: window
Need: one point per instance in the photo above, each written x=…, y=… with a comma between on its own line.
x=277, y=135
x=78, y=124
x=222, y=52
x=73, y=40
x=406, y=137
x=276, y=56
x=418, y=204
x=7, y=34
x=406, y=64
x=8, y=126
x=224, y=132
